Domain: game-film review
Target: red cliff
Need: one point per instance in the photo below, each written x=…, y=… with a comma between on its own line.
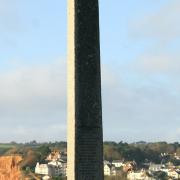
x=9, y=168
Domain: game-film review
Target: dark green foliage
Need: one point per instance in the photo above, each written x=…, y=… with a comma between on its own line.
x=161, y=175
x=30, y=158
x=59, y=178
x=141, y=151
x=3, y=150
x=176, y=162
x=115, y=178
x=43, y=151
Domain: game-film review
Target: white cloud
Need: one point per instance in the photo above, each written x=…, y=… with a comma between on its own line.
x=147, y=99
x=160, y=33
x=33, y=97
x=27, y=82
x=158, y=63
x=138, y=111
x=22, y=133
x=33, y=102
x=162, y=25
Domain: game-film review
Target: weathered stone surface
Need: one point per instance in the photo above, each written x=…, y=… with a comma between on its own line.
x=9, y=168
x=85, y=144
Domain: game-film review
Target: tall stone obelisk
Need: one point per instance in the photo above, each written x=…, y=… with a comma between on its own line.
x=85, y=141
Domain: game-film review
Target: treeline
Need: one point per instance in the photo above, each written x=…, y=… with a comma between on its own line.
x=31, y=152
x=142, y=152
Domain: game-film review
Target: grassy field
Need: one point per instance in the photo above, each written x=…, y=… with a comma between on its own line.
x=5, y=147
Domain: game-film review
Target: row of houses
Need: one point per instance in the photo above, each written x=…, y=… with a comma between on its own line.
x=51, y=169
x=138, y=175
x=176, y=156
x=171, y=171
x=115, y=167
x=142, y=175
x=56, y=166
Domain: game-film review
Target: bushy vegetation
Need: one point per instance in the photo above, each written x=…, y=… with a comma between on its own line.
x=141, y=151
x=114, y=178
x=59, y=178
x=6, y=147
x=33, y=152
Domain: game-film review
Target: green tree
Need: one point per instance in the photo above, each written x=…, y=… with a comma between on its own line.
x=43, y=150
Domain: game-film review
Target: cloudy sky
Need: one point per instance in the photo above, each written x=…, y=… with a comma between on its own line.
x=140, y=54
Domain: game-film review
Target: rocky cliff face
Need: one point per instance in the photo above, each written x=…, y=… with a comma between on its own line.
x=9, y=168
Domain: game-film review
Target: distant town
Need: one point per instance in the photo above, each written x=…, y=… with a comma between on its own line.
x=122, y=161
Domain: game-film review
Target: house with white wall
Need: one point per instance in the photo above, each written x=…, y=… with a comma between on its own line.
x=109, y=170
x=141, y=175
x=43, y=169
x=118, y=163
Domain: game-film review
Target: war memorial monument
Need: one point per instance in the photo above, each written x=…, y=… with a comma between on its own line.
x=85, y=137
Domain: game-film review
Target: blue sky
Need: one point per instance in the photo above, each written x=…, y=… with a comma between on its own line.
x=140, y=58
